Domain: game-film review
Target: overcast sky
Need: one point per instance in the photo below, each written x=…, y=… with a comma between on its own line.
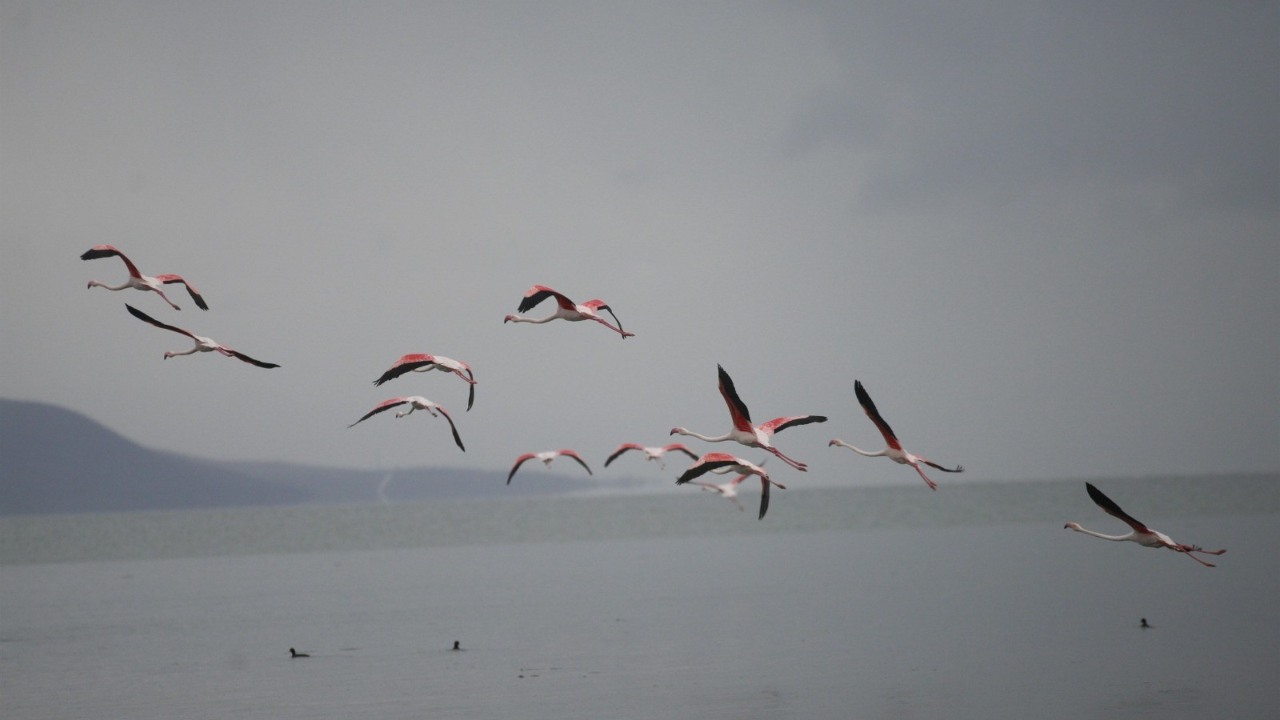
x=1046, y=236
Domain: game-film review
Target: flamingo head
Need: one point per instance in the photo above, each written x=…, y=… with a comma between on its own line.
x=677, y=431
x=833, y=443
x=1072, y=525
x=168, y=354
x=508, y=319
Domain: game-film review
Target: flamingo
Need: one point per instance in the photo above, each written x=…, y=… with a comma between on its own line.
x=203, y=344
x=566, y=310
x=720, y=462
x=546, y=457
x=894, y=452
x=651, y=453
x=138, y=281
x=1141, y=534
x=415, y=402
x=756, y=436
x=421, y=362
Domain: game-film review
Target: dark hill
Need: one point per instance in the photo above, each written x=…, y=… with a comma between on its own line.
x=53, y=460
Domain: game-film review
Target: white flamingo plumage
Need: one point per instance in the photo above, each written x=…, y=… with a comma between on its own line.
x=422, y=362
x=415, y=402
x=894, y=451
x=720, y=462
x=203, y=344
x=546, y=457
x=138, y=281
x=566, y=309
x=1141, y=534
x=651, y=453
x=744, y=432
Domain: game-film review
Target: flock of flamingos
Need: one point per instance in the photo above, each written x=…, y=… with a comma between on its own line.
x=743, y=430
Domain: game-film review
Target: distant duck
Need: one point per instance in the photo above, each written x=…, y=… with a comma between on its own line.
x=295, y=653
x=458, y=646
x=1144, y=625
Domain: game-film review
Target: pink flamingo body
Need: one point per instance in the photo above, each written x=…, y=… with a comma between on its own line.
x=744, y=432
x=1141, y=534
x=894, y=451
x=202, y=344
x=415, y=402
x=651, y=453
x=566, y=309
x=546, y=457
x=138, y=281
x=421, y=362
x=719, y=462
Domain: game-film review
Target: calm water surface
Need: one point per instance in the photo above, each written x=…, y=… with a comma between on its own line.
x=972, y=602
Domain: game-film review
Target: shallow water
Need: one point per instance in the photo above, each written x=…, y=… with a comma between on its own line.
x=730, y=618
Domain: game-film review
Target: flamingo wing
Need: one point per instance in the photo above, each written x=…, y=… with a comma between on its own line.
x=196, y=297
x=621, y=449
x=764, y=498
x=936, y=466
x=147, y=318
x=870, y=408
x=600, y=305
x=1111, y=508
x=380, y=407
x=537, y=294
x=737, y=409
x=519, y=461
x=471, y=391
x=454, y=428
x=576, y=456
x=241, y=356
x=782, y=423
x=706, y=464
x=101, y=251
x=406, y=363
x=680, y=447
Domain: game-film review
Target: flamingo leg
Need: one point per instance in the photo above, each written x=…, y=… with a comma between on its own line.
x=1193, y=557
x=618, y=330
x=793, y=463
x=932, y=485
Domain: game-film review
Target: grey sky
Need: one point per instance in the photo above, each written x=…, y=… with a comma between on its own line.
x=1045, y=236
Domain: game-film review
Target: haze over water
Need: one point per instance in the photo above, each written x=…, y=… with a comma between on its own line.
x=971, y=602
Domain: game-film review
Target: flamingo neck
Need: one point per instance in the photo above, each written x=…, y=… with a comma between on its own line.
x=95, y=283
x=1086, y=531
x=704, y=438
x=860, y=451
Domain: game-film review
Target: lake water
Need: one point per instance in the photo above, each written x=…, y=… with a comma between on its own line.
x=971, y=602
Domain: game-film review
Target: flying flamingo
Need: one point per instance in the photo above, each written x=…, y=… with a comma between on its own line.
x=421, y=362
x=203, y=344
x=1141, y=534
x=415, y=402
x=756, y=436
x=546, y=457
x=138, y=281
x=894, y=452
x=651, y=453
x=719, y=462
x=566, y=310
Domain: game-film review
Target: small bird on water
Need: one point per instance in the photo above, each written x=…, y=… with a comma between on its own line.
x=295, y=653
x=1144, y=624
